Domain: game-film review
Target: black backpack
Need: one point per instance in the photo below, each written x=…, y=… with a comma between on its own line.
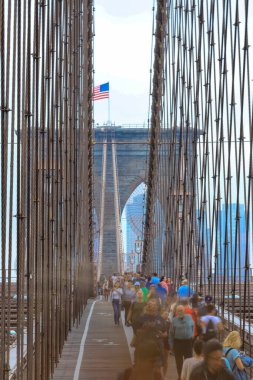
x=211, y=332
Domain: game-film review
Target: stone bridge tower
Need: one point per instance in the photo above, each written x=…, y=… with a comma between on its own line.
x=129, y=152
x=121, y=155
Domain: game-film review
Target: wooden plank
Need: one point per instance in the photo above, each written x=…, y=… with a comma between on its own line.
x=106, y=351
x=67, y=364
x=172, y=370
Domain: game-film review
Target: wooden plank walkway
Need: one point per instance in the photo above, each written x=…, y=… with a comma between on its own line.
x=105, y=353
x=172, y=370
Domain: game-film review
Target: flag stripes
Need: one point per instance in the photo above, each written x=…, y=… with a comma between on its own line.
x=101, y=92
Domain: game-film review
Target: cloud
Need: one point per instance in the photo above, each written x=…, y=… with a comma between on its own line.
x=125, y=109
x=125, y=8
x=122, y=57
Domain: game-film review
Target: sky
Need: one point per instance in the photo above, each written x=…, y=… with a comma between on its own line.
x=122, y=56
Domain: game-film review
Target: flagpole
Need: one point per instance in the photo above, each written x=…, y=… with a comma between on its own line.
x=109, y=111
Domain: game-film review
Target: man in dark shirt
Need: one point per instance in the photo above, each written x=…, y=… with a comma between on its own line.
x=151, y=331
x=203, y=309
x=212, y=368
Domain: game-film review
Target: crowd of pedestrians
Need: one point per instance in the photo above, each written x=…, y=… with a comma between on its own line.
x=179, y=322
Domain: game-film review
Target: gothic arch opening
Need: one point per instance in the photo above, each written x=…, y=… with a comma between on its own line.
x=132, y=219
x=132, y=222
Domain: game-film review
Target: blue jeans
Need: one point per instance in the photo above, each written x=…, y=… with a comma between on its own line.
x=116, y=310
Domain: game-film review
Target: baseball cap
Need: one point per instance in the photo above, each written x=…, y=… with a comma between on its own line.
x=137, y=283
x=208, y=299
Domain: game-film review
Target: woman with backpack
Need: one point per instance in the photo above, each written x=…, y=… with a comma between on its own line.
x=211, y=324
x=237, y=360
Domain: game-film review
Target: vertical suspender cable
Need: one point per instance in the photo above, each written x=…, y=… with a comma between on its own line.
x=157, y=90
x=102, y=206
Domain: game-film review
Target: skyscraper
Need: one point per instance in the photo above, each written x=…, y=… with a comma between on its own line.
x=134, y=218
x=231, y=241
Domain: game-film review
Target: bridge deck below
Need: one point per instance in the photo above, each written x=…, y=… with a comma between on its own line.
x=106, y=352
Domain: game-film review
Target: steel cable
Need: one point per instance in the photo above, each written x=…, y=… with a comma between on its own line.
x=46, y=180
x=206, y=156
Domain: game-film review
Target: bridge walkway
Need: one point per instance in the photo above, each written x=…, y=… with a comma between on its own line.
x=97, y=349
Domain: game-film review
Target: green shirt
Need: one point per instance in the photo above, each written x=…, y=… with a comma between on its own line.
x=145, y=293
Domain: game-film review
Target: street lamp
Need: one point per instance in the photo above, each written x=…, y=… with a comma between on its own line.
x=132, y=256
x=138, y=245
x=138, y=249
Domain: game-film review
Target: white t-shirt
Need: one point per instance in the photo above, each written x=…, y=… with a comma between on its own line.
x=116, y=294
x=106, y=285
x=188, y=366
x=216, y=320
x=114, y=279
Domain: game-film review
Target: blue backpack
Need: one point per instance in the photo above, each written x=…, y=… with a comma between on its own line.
x=247, y=361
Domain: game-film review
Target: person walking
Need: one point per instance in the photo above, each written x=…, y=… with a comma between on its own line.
x=204, y=305
x=155, y=279
x=211, y=324
x=161, y=291
x=231, y=348
x=181, y=337
x=144, y=291
x=190, y=363
x=117, y=293
x=129, y=296
x=151, y=330
x=165, y=316
x=171, y=290
x=136, y=310
x=189, y=310
x=164, y=283
x=148, y=282
x=184, y=291
x=152, y=294
x=212, y=367
x=106, y=290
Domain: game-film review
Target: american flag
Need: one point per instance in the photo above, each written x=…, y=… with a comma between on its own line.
x=101, y=91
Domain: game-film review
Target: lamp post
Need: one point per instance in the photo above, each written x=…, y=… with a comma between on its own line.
x=132, y=256
x=138, y=249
